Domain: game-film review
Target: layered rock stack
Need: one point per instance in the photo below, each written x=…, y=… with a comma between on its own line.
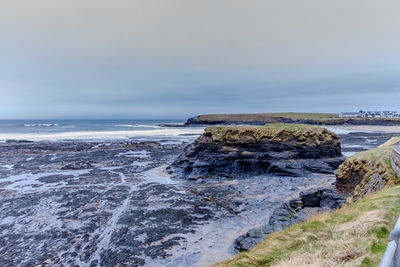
x=279, y=149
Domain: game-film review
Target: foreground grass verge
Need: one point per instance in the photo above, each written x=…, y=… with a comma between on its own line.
x=355, y=235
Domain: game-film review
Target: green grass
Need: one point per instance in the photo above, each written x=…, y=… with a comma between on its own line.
x=355, y=235
x=264, y=116
x=277, y=132
x=309, y=118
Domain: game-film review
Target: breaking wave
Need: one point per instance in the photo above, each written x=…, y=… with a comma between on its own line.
x=162, y=133
x=137, y=125
x=41, y=125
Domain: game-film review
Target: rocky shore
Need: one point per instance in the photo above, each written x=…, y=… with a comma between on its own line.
x=359, y=176
x=108, y=203
x=278, y=149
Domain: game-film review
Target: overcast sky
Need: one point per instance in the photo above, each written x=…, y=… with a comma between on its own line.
x=178, y=58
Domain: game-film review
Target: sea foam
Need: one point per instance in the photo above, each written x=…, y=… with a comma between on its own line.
x=104, y=135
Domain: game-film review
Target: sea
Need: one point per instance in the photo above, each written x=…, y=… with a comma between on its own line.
x=97, y=130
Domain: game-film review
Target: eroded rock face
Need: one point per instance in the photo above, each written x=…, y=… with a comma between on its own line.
x=369, y=171
x=395, y=160
x=294, y=211
x=360, y=180
x=239, y=151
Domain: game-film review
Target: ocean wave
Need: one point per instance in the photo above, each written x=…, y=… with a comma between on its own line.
x=137, y=125
x=104, y=135
x=41, y=125
x=338, y=130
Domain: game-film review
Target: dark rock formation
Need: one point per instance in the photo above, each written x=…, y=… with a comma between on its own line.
x=81, y=165
x=294, y=211
x=294, y=150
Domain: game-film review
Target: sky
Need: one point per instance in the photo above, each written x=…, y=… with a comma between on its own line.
x=179, y=58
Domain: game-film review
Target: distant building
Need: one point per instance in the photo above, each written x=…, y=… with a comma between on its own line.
x=370, y=114
x=349, y=115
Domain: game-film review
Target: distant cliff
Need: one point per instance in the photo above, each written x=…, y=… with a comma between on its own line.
x=301, y=118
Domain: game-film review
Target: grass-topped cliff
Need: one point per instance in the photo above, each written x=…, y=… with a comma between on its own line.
x=278, y=149
x=290, y=117
x=262, y=116
x=274, y=133
x=355, y=235
x=367, y=171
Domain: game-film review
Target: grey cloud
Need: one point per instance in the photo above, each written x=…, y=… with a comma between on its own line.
x=178, y=58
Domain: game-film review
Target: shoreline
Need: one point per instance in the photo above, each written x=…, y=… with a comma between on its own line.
x=365, y=128
x=184, y=133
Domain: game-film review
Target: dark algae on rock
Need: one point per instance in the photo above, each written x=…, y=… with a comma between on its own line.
x=280, y=149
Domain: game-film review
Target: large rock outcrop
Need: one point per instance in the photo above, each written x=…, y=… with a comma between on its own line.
x=281, y=149
x=368, y=171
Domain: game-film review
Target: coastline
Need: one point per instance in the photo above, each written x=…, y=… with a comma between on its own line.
x=180, y=218
x=364, y=128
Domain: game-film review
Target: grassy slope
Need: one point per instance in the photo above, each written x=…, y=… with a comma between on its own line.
x=277, y=132
x=355, y=235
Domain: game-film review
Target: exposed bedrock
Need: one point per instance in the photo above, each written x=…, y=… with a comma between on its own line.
x=369, y=171
x=296, y=210
x=279, y=149
x=395, y=160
